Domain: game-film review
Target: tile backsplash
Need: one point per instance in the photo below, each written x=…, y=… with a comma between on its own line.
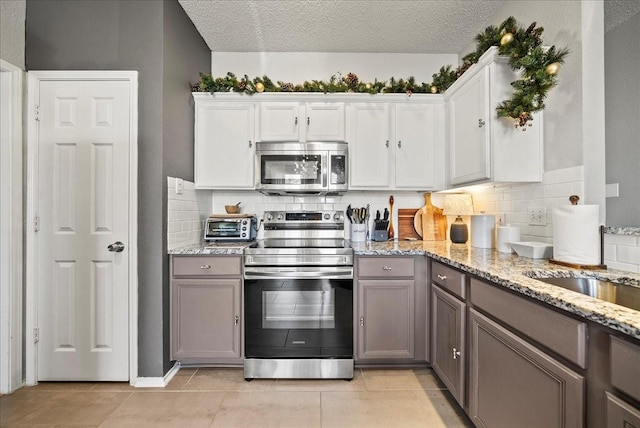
x=188, y=210
x=186, y=213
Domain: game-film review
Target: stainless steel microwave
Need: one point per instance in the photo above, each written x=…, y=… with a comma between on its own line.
x=230, y=228
x=294, y=168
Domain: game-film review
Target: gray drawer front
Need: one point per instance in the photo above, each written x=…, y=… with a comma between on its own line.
x=564, y=335
x=386, y=267
x=207, y=266
x=625, y=367
x=448, y=278
x=621, y=414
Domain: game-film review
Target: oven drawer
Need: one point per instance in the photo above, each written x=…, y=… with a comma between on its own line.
x=202, y=266
x=384, y=267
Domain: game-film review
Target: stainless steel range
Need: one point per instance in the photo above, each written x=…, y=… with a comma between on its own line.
x=298, y=298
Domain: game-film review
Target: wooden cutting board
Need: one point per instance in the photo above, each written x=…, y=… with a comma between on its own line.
x=405, y=223
x=429, y=221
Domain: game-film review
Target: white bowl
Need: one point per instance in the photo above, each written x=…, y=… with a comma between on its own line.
x=533, y=250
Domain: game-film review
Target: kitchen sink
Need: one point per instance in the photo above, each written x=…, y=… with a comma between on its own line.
x=620, y=294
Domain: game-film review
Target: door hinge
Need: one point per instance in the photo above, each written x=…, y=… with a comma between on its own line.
x=36, y=223
x=37, y=112
x=36, y=335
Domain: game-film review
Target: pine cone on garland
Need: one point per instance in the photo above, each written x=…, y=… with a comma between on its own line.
x=286, y=87
x=242, y=85
x=351, y=79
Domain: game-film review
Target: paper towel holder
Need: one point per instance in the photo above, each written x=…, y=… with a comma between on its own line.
x=574, y=201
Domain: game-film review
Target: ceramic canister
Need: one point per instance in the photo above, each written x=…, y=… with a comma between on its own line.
x=482, y=230
x=507, y=234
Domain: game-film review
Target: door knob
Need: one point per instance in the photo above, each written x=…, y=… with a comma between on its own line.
x=116, y=247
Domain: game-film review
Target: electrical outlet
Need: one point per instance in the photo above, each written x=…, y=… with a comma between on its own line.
x=537, y=216
x=501, y=219
x=179, y=186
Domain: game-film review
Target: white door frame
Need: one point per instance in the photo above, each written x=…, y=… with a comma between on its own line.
x=34, y=78
x=11, y=233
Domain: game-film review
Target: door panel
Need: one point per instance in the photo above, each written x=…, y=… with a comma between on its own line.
x=83, y=197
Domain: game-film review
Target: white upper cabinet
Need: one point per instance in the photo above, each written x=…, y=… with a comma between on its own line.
x=482, y=146
x=419, y=146
x=224, y=144
x=369, y=146
x=396, y=145
x=298, y=121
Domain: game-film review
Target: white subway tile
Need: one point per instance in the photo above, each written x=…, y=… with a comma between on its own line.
x=628, y=254
x=628, y=240
x=558, y=190
x=610, y=252
x=622, y=266
x=171, y=183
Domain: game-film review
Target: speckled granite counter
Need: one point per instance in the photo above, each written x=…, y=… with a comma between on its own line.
x=515, y=273
x=208, y=248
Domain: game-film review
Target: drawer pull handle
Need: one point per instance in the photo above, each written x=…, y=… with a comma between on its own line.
x=386, y=267
x=442, y=277
x=361, y=321
x=481, y=123
x=456, y=354
x=236, y=320
x=205, y=267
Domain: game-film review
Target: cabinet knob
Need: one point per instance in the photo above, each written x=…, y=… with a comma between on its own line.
x=399, y=144
x=308, y=120
x=296, y=121
x=386, y=267
x=205, y=266
x=250, y=143
x=442, y=277
x=481, y=123
x=361, y=321
x=236, y=320
x=387, y=143
x=456, y=354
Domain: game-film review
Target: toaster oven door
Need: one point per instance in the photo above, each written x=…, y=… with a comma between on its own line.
x=219, y=228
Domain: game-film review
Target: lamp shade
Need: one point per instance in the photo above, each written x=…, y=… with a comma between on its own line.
x=458, y=204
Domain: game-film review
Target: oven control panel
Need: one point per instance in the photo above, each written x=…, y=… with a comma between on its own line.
x=304, y=219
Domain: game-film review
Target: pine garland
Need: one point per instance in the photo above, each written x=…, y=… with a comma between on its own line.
x=538, y=67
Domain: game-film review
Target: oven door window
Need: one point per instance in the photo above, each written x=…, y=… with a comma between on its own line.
x=223, y=228
x=285, y=309
x=291, y=169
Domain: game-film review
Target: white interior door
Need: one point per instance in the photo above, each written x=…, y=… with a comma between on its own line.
x=83, y=139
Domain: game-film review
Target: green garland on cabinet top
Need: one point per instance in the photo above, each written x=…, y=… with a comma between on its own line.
x=538, y=67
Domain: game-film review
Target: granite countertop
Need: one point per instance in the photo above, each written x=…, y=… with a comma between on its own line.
x=213, y=248
x=515, y=273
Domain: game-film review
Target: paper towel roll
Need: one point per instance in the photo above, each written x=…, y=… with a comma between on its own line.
x=507, y=234
x=576, y=237
x=482, y=230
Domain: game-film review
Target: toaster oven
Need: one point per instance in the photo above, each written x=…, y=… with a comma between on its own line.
x=230, y=228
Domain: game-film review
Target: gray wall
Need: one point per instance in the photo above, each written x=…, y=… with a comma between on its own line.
x=622, y=95
x=12, y=15
x=158, y=40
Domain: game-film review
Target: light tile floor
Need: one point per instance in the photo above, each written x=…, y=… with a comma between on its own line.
x=220, y=397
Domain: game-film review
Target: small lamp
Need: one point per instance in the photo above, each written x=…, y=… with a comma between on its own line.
x=458, y=204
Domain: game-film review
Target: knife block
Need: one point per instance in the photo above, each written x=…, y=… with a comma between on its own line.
x=380, y=235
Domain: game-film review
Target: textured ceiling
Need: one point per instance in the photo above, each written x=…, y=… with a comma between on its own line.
x=618, y=11
x=390, y=26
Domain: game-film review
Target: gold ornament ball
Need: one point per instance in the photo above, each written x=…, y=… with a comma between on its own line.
x=506, y=39
x=259, y=87
x=552, y=68
x=367, y=85
x=434, y=89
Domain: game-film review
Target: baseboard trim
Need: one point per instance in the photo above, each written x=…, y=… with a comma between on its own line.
x=157, y=382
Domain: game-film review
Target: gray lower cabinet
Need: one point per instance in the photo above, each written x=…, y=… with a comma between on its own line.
x=447, y=340
x=206, y=297
x=390, y=313
x=514, y=384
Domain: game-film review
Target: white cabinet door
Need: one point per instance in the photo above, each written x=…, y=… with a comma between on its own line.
x=469, y=131
x=369, y=146
x=224, y=145
x=297, y=121
x=417, y=164
x=280, y=121
x=325, y=122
